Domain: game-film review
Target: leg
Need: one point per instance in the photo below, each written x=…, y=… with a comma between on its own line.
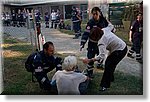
x=43, y=80
x=137, y=46
x=111, y=62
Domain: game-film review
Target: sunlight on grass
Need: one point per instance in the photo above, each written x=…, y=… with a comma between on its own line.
x=10, y=53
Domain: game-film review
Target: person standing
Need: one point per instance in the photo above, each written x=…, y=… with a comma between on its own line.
x=14, y=18
x=53, y=18
x=46, y=20
x=76, y=22
x=136, y=37
x=97, y=20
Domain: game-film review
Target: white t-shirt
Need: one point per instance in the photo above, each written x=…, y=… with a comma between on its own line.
x=68, y=82
x=53, y=16
x=110, y=42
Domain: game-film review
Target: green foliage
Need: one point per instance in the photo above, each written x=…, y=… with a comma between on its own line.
x=131, y=11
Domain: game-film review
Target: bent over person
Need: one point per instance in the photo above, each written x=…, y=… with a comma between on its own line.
x=117, y=49
x=45, y=62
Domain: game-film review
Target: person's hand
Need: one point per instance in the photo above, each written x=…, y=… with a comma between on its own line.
x=81, y=47
x=130, y=39
x=86, y=60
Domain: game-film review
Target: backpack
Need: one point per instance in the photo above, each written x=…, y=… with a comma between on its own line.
x=30, y=62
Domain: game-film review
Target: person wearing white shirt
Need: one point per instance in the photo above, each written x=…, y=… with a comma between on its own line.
x=117, y=50
x=53, y=18
x=68, y=81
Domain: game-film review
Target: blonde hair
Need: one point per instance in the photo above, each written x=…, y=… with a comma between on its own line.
x=70, y=63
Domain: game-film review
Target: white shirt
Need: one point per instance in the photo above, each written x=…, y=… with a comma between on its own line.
x=53, y=16
x=110, y=42
x=68, y=82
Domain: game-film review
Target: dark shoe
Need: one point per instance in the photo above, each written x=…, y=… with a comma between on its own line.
x=75, y=37
x=129, y=55
x=102, y=89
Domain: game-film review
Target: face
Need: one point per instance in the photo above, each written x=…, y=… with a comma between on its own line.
x=50, y=50
x=139, y=17
x=96, y=15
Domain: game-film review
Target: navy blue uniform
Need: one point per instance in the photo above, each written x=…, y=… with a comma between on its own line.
x=47, y=20
x=20, y=19
x=57, y=20
x=76, y=23
x=38, y=19
x=137, y=38
x=44, y=64
x=14, y=19
x=92, y=45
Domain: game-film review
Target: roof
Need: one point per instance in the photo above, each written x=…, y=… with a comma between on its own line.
x=34, y=2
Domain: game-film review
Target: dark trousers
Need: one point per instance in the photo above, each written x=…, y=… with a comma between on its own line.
x=52, y=23
x=137, y=40
x=110, y=64
x=76, y=28
x=92, y=51
x=44, y=84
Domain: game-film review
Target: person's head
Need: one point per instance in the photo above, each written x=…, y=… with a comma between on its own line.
x=70, y=63
x=48, y=48
x=96, y=12
x=96, y=33
x=139, y=16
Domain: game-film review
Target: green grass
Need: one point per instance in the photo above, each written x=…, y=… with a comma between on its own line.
x=18, y=81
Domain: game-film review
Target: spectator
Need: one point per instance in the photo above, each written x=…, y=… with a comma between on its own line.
x=76, y=22
x=47, y=20
x=53, y=18
x=57, y=21
x=61, y=24
x=14, y=18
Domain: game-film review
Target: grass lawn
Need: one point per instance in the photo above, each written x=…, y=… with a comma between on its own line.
x=18, y=81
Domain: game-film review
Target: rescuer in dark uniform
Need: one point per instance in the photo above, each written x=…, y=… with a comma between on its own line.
x=76, y=19
x=96, y=21
x=136, y=37
x=45, y=62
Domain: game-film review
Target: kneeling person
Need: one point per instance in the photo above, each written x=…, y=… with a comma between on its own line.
x=45, y=62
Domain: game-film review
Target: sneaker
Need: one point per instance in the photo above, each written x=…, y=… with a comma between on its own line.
x=129, y=55
x=102, y=89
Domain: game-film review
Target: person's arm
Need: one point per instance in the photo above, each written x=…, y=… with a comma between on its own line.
x=130, y=36
x=85, y=36
x=131, y=31
x=53, y=81
x=101, y=56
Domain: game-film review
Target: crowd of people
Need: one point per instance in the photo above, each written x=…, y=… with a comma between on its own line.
x=18, y=18
x=101, y=38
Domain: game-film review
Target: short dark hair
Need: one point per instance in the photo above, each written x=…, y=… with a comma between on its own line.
x=95, y=9
x=96, y=33
x=46, y=45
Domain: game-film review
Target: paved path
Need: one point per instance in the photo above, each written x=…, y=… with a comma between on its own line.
x=64, y=44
